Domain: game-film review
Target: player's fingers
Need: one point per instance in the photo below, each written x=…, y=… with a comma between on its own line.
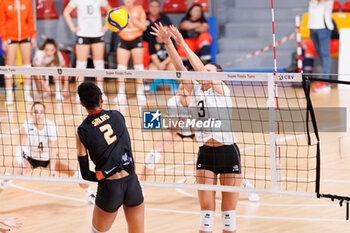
x=156, y=26
x=154, y=34
x=172, y=35
x=154, y=29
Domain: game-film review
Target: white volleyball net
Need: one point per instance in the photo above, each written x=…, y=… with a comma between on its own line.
x=269, y=117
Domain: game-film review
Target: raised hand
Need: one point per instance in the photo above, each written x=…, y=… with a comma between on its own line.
x=160, y=32
x=176, y=35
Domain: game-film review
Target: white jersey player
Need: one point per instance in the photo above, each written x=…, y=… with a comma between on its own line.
x=38, y=148
x=90, y=33
x=177, y=108
x=49, y=56
x=218, y=156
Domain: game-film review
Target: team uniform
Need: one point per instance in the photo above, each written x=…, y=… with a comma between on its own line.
x=16, y=21
x=175, y=109
x=40, y=59
x=89, y=20
x=37, y=150
x=106, y=138
x=131, y=36
x=222, y=159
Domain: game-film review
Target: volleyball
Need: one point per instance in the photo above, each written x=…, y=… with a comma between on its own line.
x=117, y=19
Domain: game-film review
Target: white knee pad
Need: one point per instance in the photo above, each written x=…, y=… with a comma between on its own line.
x=81, y=64
x=207, y=220
x=99, y=64
x=151, y=159
x=228, y=220
x=139, y=67
x=121, y=67
x=93, y=230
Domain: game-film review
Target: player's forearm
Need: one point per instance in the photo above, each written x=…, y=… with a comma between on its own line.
x=155, y=60
x=196, y=63
x=53, y=161
x=68, y=19
x=85, y=169
x=174, y=56
x=218, y=87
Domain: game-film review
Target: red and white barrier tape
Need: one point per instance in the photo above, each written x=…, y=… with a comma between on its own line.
x=282, y=41
x=299, y=50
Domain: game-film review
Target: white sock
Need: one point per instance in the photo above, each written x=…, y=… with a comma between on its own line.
x=58, y=87
x=9, y=93
x=121, y=89
x=140, y=89
x=245, y=182
x=26, y=90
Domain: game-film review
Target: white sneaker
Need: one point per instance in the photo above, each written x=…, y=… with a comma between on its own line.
x=91, y=199
x=141, y=99
x=4, y=183
x=253, y=197
x=104, y=97
x=120, y=99
x=77, y=99
x=59, y=97
x=9, y=100
x=28, y=98
x=147, y=87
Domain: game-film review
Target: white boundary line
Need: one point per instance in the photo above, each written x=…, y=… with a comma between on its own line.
x=109, y=73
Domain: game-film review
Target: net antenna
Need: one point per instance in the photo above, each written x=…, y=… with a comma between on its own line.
x=273, y=116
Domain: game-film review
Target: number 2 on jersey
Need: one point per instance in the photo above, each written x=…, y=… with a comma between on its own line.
x=108, y=131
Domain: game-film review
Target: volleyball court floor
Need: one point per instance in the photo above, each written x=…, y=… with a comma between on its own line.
x=62, y=207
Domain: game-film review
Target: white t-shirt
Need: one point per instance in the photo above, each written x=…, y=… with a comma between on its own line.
x=208, y=101
x=37, y=144
x=40, y=59
x=180, y=112
x=320, y=14
x=89, y=17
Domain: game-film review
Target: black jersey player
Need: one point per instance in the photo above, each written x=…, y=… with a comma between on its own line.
x=103, y=136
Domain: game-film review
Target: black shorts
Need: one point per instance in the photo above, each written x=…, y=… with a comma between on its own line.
x=130, y=45
x=220, y=160
x=89, y=40
x=36, y=163
x=186, y=136
x=111, y=194
x=26, y=40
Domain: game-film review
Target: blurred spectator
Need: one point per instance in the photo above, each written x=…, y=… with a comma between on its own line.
x=49, y=56
x=321, y=26
x=131, y=44
x=154, y=16
x=159, y=55
x=90, y=34
x=309, y=52
x=194, y=29
x=17, y=28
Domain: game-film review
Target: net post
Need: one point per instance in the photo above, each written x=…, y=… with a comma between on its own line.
x=272, y=128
